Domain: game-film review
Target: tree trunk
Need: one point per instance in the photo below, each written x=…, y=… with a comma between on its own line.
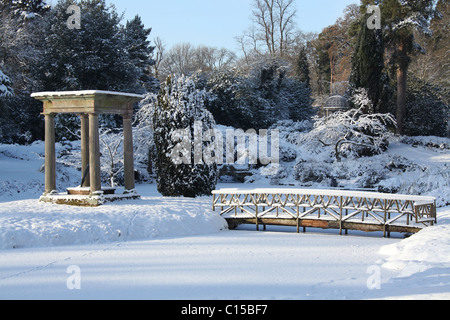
x=402, y=74
x=401, y=98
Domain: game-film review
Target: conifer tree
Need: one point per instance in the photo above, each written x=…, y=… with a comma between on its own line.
x=368, y=65
x=92, y=58
x=22, y=25
x=140, y=51
x=302, y=71
x=24, y=6
x=179, y=118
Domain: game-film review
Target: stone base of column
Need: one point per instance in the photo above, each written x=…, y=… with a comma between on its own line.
x=86, y=201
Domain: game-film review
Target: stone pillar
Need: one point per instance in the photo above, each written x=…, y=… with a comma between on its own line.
x=128, y=153
x=50, y=156
x=94, y=154
x=85, y=148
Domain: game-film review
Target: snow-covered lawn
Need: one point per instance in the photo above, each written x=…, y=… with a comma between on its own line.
x=161, y=248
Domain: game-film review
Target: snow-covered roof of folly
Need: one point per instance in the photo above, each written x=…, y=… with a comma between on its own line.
x=88, y=101
x=84, y=93
x=336, y=102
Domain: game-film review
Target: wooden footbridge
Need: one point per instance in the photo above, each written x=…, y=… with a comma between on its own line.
x=326, y=209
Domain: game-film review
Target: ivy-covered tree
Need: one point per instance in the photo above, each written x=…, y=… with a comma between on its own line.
x=426, y=113
x=180, y=119
x=400, y=21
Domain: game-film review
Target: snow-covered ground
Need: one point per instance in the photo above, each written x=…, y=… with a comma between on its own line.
x=161, y=248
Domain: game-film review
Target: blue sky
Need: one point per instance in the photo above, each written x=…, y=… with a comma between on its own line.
x=216, y=22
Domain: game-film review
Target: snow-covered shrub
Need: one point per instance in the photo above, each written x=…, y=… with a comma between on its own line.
x=144, y=146
x=5, y=85
x=427, y=141
x=370, y=177
x=426, y=181
x=178, y=112
x=312, y=171
x=111, y=150
x=350, y=134
x=361, y=100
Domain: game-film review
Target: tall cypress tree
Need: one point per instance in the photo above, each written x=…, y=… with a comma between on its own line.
x=302, y=71
x=368, y=65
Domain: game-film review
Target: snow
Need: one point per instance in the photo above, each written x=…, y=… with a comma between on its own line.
x=27, y=223
x=329, y=192
x=5, y=82
x=178, y=248
x=83, y=93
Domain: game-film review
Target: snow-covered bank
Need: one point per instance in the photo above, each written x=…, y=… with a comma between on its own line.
x=428, y=249
x=28, y=223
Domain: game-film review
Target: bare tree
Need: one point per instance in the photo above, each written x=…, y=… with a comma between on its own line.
x=159, y=55
x=286, y=15
x=186, y=59
x=274, y=22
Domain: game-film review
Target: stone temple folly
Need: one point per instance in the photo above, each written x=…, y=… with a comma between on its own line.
x=88, y=105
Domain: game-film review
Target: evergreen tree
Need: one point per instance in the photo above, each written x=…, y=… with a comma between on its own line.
x=179, y=117
x=324, y=66
x=368, y=65
x=22, y=26
x=24, y=7
x=226, y=100
x=302, y=68
x=93, y=58
x=140, y=52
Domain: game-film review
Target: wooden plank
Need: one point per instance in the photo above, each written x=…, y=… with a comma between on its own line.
x=324, y=224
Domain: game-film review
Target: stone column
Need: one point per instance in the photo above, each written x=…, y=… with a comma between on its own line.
x=128, y=153
x=94, y=154
x=50, y=156
x=85, y=148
